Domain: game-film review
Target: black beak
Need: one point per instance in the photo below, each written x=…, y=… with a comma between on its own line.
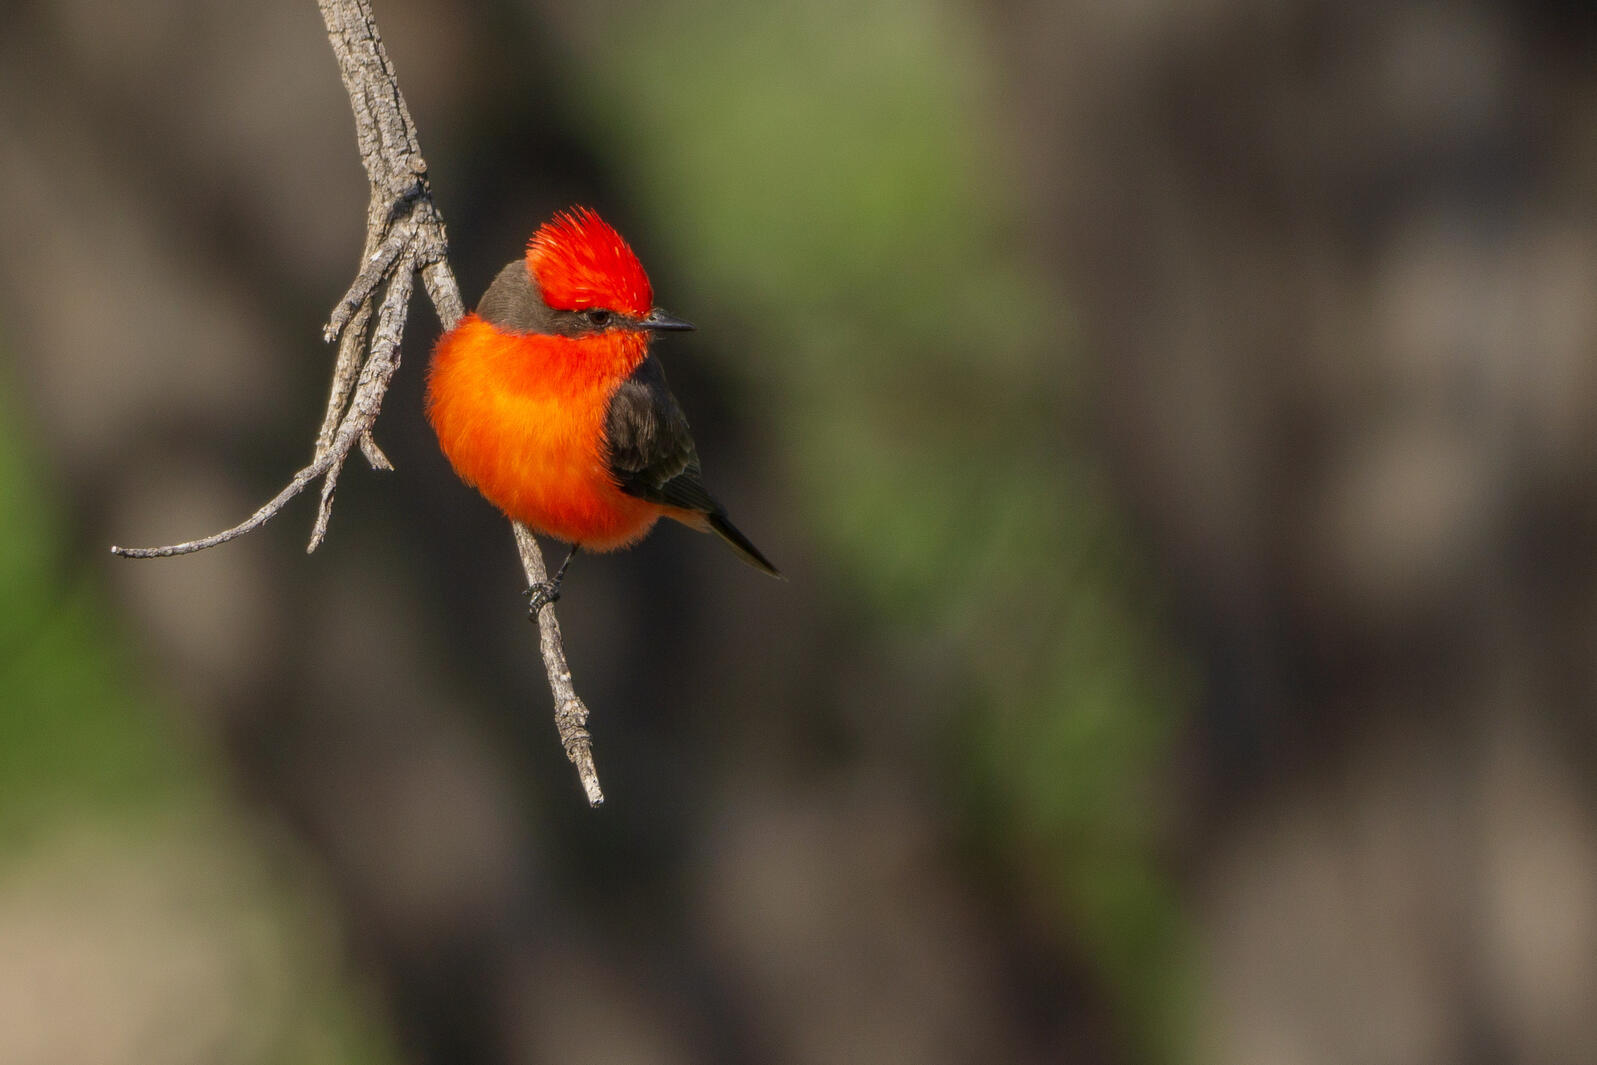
x=662, y=322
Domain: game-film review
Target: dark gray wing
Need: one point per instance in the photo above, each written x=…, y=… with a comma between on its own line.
x=652, y=456
x=651, y=451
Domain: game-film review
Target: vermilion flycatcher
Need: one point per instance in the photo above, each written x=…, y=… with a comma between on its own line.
x=547, y=400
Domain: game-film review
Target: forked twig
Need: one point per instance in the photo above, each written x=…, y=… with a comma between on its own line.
x=404, y=234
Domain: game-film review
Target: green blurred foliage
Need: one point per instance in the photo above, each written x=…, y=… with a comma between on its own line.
x=114, y=823
x=76, y=737
x=829, y=172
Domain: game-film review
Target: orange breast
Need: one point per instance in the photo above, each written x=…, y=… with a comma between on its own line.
x=522, y=419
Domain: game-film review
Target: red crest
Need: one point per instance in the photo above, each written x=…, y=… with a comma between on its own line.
x=579, y=262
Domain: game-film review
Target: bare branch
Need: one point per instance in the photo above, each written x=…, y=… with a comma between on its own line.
x=442, y=290
x=382, y=360
x=404, y=234
x=350, y=348
x=374, y=454
x=571, y=713
x=253, y=522
x=373, y=268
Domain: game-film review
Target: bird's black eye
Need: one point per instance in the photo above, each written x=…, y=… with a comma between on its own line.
x=597, y=317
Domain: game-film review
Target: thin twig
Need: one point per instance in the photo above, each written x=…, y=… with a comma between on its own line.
x=404, y=234
x=382, y=360
x=253, y=522
x=571, y=713
x=351, y=346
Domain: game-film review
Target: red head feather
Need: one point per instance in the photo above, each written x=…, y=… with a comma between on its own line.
x=581, y=262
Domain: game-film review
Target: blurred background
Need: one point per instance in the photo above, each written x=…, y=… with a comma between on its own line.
x=1174, y=420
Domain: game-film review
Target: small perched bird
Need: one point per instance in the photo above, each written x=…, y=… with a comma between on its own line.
x=547, y=400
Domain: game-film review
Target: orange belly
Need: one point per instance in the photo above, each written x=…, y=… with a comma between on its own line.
x=522, y=419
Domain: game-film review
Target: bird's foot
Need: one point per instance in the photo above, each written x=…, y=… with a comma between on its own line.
x=541, y=595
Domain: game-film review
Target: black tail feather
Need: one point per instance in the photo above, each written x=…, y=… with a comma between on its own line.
x=740, y=543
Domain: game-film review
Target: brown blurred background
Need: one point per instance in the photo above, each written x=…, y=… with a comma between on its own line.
x=1173, y=419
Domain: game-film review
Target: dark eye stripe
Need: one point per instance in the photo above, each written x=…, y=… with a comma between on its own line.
x=514, y=303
